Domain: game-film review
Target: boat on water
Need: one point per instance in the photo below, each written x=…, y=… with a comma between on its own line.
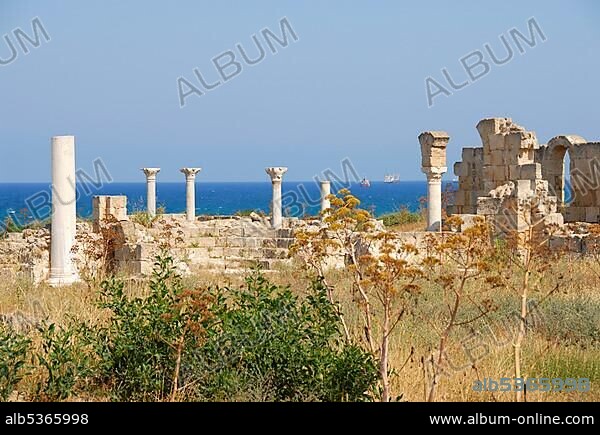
x=391, y=178
x=365, y=182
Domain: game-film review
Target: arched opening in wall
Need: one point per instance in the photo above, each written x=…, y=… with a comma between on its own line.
x=567, y=186
x=555, y=168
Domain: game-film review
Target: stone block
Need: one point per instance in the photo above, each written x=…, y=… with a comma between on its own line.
x=496, y=142
x=497, y=158
x=459, y=198
x=285, y=243
x=460, y=170
x=592, y=150
x=592, y=214
x=523, y=189
x=468, y=154
x=574, y=214
x=468, y=220
x=488, y=206
x=554, y=219
x=137, y=267
x=530, y=171
x=488, y=172
x=105, y=207
x=489, y=185
x=146, y=251
x=433, y=148
x=498, y=173
x=203, y=242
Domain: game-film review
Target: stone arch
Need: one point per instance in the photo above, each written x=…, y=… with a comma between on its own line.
x=553, y=163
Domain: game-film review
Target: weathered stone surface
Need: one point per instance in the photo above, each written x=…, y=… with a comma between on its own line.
x=528, y=177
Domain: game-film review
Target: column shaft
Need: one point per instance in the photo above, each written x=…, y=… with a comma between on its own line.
x=151, y=195
x=276, y=175
x=277, y=217
x=150, y=174
x=64, y=209
x=190, y=198
x=434, y=204
x=325, y=192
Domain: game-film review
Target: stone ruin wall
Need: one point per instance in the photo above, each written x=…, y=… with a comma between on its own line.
x=510, y=180
x=512, y=172
x=223, y=244
x=226, y=244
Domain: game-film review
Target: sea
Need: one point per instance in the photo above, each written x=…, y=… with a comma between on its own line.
x=28, y=201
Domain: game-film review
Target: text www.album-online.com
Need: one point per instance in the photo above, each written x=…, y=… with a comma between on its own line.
x=505, y=419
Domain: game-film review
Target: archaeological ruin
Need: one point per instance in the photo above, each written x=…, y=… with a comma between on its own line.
x=511, y=181
x=514, y=181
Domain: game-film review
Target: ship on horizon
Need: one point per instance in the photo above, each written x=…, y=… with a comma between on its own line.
x=391, y=178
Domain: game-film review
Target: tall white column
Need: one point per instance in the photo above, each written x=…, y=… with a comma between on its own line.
x=190, y=192
x=64, y=209
x=151, y=189
x=325, y=192
x=434, y=197
x=276, y=174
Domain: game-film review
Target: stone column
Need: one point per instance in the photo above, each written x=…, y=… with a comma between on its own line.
x=64, y=209
x=151, y=189
x=433, y=165
x=325, y=192
x=276, y=174
x=190, y=192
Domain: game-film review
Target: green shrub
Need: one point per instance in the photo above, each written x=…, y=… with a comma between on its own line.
x=146, y=337
x=255, y=343
x=270, y=345
x=13, y=352
x=401, y=217
x=143, y=218
x=572, y=320
x=65, y=361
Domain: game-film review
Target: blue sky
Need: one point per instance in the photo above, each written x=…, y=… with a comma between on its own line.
x=353, y=85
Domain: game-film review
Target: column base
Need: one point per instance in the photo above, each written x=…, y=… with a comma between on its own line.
x=63, y=280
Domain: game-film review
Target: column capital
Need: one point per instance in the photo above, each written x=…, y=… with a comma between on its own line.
x=276, y=173
x=324, y=182
x=433, y=148
x=151, y=172
x=190, y=172
x=434, y=173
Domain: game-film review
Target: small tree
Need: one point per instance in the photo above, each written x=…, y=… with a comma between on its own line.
x=454, y=260
x=379, y=266
x=525, y=263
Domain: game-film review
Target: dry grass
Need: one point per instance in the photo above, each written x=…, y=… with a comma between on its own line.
x=566, y=343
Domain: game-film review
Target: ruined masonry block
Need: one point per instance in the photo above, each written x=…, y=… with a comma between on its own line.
x=574, y=214
x=103, y=207
x=488, y=206
x=523, y=189
x=497, y=158
x=433, y=148
x=497, y=143
x=532, y=171
x=460, y=170
x=592, y=214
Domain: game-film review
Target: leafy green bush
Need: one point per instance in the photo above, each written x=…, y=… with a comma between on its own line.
x=141, y=349
x=13, y=352
x=401, y=217
x=270, y=345
x=143, y=218
x=256, y=343
x=65, y=360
